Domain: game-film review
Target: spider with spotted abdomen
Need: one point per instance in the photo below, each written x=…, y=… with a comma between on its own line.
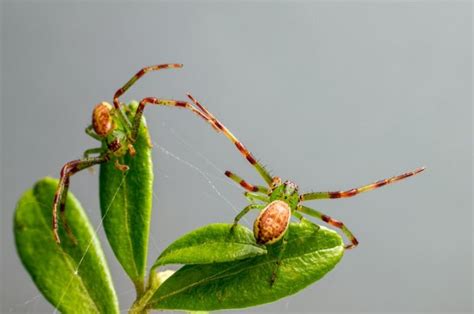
x=117, y=134
x=278, y=201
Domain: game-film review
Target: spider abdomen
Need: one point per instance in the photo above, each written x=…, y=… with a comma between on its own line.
x=102, y=120
x=272, y=223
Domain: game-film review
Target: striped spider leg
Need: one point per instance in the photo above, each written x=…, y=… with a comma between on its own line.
x=278, y=201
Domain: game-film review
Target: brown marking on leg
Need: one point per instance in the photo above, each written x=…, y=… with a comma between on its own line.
x=248, y=186
x=60, y=196
x=156, y=101
x=333, y=222
x=341, y=194
x=340, y=225
x=251, y=160
x=62, y=205
x=381, y=183
x=198, y=104
x=241, y=148
x=353, y=244
x=169, y=65
x=180, y=103
x=62, y=211
x=246, y=153
x=138, y=75
x=55, y=217
x=325, y=218
x=355, y=191
x=217, y=125
x=243, y=183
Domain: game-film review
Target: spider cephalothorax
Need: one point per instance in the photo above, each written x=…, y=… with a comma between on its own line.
x=287, y=192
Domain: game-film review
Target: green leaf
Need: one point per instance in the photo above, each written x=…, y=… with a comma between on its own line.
x=73, y=277
x=125, y=201
x=309, y=255
x=211, y=244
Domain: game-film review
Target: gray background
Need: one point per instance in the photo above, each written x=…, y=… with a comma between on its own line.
x=330, y=95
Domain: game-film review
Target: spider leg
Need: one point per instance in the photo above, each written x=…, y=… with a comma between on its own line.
x=303, y=219
x=216, y=124
x=138, y=75
x=120, y=166
x=278, y=261
x=162, y=102
x=333, y=222
x=91, y=133
x=62, y=211
x=88, y=152
x=355, y=191
x=91, y=151
x=252, y=197
x=298, y=215
x=249, y=187
x=244, y=212
x=60, y=196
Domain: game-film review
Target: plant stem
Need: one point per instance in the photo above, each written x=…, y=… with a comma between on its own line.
x=155, y=280
x=139, y=288
x=139, y=306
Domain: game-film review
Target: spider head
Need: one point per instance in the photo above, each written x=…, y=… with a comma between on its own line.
x=286, y=191
x=102, y=119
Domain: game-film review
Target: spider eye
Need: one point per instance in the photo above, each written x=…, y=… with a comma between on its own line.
x=102, y=119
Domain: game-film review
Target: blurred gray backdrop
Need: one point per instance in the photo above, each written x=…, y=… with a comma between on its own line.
x=332, y=95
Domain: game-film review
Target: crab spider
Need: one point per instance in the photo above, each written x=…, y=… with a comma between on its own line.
x=277, y=201
x=117, y=134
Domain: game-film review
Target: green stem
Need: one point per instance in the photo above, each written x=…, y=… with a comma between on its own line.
x=139, y=288
x=140, y=304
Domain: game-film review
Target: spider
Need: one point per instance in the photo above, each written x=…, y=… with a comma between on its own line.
x=278, y=200
x=117, y=134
